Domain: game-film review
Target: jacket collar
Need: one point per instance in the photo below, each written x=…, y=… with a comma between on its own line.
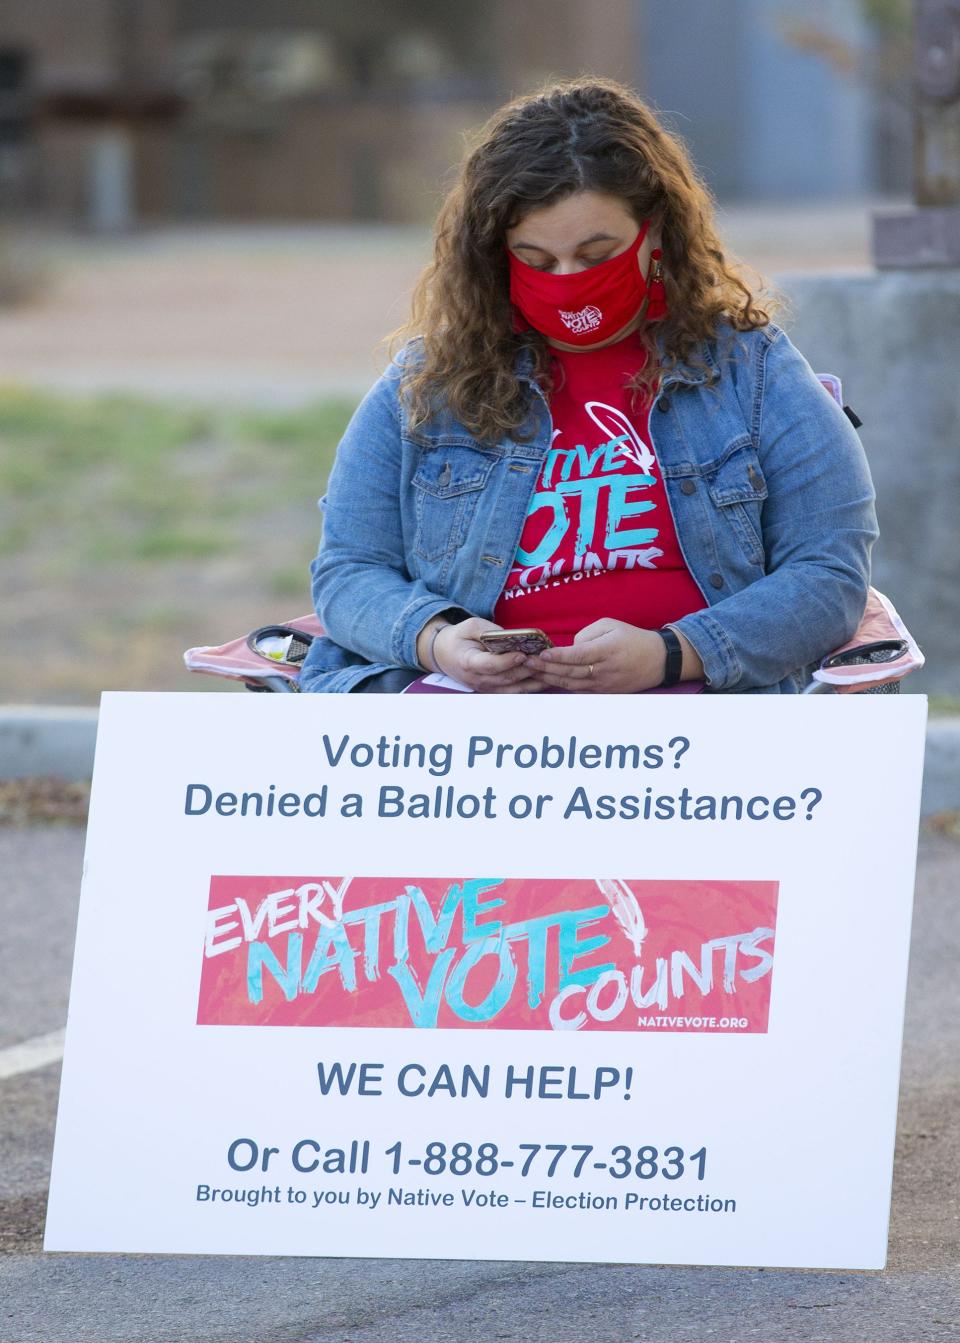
x=684, y=372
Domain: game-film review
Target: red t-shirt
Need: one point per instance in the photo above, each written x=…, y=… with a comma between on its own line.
x=599, y=538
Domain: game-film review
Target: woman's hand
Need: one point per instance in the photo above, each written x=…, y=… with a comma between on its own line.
x=458, y=652
x=611, y=657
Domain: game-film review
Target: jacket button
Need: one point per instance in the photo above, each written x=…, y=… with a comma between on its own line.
x=687, y=487
x=716, y=580
x=663, y=404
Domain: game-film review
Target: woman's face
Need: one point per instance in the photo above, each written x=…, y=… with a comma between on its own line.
x=576, y=233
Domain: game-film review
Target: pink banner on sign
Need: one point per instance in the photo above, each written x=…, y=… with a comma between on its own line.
x=490, y=952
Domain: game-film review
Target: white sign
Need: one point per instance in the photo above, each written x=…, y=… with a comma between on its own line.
x=613, y=978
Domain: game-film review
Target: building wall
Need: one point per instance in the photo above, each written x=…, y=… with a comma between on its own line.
x=73, y=43
x=317, y=109
x=88, y=51
x=325, y=111
x=541, y=39
x=764, y=116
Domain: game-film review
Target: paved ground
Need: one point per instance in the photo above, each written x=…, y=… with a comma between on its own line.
x=280, y=315
x=134, y=1299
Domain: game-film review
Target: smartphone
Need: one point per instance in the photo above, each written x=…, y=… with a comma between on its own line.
x=515, y=641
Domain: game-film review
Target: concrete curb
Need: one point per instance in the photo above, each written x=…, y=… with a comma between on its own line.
x=39, y=741
x=59, y=742
x=941, y=767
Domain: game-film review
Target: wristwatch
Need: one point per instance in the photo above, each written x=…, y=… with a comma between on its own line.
x=674, y=665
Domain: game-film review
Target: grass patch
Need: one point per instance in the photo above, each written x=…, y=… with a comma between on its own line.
x=301, y=429
x=70, y=433
x=43, y=801
x=125, y=477
x=943, y=704
x=289, y=582
x=115, y=507
x=178, y=543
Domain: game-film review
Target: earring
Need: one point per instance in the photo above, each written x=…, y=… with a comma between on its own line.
x=657, y=306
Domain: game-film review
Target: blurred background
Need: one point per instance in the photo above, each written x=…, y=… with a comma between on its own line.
x=213, y=212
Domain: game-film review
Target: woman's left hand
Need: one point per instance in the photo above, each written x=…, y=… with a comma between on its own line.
x=608, y=657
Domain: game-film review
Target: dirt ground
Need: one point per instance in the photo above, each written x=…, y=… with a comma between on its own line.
x=281, y=315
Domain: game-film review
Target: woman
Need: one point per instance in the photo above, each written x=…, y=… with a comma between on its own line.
x=593, y=429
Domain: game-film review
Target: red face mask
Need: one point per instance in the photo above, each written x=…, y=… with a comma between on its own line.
x=591, y=305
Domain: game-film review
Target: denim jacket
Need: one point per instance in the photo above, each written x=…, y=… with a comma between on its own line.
x=766, y=479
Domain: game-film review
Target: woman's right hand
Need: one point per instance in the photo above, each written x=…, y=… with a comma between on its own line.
x=458, y=653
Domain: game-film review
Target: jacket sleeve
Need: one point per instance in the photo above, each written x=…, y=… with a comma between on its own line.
x=363, y=593
x=818, y=525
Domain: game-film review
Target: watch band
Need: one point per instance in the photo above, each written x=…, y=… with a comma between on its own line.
x=671, y=672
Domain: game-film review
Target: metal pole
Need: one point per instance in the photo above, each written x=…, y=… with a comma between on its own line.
x=929, y=233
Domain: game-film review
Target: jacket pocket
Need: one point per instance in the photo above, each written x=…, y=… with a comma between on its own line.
x=447, y=487
x=737, y=490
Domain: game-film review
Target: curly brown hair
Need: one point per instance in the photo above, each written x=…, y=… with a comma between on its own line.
x=576, y=135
